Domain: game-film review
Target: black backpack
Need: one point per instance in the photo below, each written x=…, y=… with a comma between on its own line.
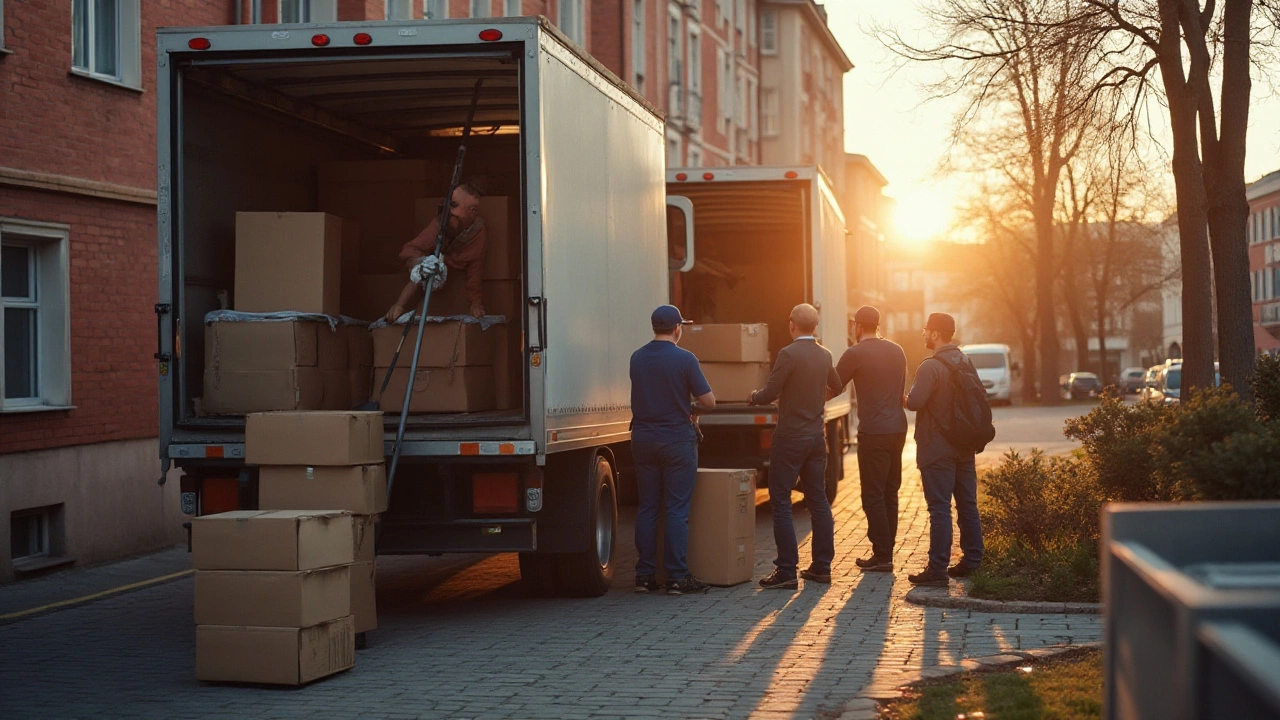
x=969, y=426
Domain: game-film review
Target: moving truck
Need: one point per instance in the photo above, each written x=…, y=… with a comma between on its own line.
x=358, y=120
x=764, y=240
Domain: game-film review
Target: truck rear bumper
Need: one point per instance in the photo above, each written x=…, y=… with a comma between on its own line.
x=408, y=536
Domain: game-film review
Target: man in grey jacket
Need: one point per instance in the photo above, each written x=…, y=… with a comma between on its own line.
x=801, y=379
x=946, y=471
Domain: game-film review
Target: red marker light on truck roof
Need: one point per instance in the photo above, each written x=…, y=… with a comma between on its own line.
x=320, y=40
x=363, y=38
x=490, y=34
x=682, y=176
x=791, y=175
x=708, y=176
x=199, y=44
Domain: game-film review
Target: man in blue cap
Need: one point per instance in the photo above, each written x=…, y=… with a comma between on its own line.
x=666, y=382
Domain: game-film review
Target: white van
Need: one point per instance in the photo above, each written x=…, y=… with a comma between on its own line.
x=995, y=370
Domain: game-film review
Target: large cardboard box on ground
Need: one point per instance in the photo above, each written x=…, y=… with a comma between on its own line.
x=733, y=382
x=731, y=343
x=502, y=250
x=462, y=389
x=272, y=540
x=288, y=261
x=314, y=438
x=361, y=489
x=364, y=595
x=722, y=526
x=296, y=599
x=260, y=366
x=274, y=655
x=451, y=343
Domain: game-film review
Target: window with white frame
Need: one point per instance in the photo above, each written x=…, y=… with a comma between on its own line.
x=481, y=8
x=740, y=15
x=106, y=41
x=769, y=32
x=34, y=325
x=1, y=26
x=753, y=123
x=308, y=11
x=740, y=100
x=638, y=61
x=695, y=156
x=435, y=9
x=675, y=65
x=722, y=96
x=751, y=23
x=720, y=14
x=571, y=20
x=512, y=8
x=693, y=113
x=769, y=112
x=399, y=9
x=673, y=152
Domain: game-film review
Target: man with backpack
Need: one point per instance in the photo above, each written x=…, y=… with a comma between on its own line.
x=953, y=424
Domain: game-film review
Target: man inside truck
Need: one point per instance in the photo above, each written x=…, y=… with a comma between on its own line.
x=465, y=247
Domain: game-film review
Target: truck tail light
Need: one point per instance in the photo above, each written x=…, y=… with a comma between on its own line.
x=681, y=177
x=495, y=493
x=219, y=494
x=708, y=176
x=791, y=175
x=490, y=34
x=362, y=39
x=199, y=44
x=766, y=439
x=320, y=40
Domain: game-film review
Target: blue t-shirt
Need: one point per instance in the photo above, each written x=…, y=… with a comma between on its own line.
x=664, y=381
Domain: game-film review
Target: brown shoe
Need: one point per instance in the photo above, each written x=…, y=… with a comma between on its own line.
x=817, y=576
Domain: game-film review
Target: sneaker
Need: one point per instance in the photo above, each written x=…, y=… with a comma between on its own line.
x=687, y=586
x=960, y=570
x=779, y=580
x=874, y=564
x=818, y=576
x=646, y=583
x=935, y=578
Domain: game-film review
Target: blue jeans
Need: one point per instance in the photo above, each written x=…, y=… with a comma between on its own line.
x=942, y=480
x=665, y=474
x=805, y=458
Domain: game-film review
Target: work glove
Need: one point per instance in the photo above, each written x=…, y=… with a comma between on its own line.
x=431, y=267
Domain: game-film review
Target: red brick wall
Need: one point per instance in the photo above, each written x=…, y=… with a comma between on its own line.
x=54, y=122
x=603, y=39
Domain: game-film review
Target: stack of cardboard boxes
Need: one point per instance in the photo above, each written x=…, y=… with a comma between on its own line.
x=326, y=460
x=722, y=528
x=734, y=357
x=273, y=596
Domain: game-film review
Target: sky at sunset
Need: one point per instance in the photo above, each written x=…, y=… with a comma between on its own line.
x=886, y=120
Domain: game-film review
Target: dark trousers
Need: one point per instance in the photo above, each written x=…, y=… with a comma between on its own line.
x=880, y=473
x=665, y=475
x=944, y=479
x=804, y=458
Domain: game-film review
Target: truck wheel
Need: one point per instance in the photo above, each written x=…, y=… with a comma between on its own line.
x=590, y=573
x=835, y=461
x=538, y=573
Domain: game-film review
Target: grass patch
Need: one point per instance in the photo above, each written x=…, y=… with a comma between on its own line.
x=1062, y=688
x=1064, y=573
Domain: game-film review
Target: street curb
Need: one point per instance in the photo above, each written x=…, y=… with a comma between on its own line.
x=939, y=597
x=866, y=704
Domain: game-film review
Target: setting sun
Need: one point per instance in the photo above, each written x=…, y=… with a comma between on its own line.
x=922, y=214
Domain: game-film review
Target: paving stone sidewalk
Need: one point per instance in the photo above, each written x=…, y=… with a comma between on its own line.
x=458, y=638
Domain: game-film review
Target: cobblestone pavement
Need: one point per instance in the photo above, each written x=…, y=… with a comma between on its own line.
x=458, y=638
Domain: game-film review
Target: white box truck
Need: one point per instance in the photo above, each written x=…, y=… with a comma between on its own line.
x=251, y=118
x=774, y=237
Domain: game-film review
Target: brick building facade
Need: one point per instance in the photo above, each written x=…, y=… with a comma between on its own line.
x=1263, y=235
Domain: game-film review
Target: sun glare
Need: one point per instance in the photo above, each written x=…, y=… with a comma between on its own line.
x=922, y=215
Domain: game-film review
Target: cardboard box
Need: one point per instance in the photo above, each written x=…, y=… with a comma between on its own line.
x=462, y=389
x=444, y=344
x=359, y=345
x=234, y=392
x=722, y=526
x=502, y=250
x=369, y=297
x=274, y=655
x=364, y=596
x=733, y=382
x=271, y=345
x=361, y=489
x=273, y=599
x=288, y=261
x=508, y=362
x=272, y=540
x=500, y=297
x=734, y=343
x=364, y=530
x=314, y=438
x=361, y=383
x=380, y=197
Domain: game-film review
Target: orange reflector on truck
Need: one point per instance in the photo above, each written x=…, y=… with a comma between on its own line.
x=495, y=493
x=791, y=175
x=213, y=451
x=766, y=439
x=469, y=448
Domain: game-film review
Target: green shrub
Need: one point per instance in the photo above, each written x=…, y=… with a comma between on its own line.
x=1116, y=439
x=1041, y=501
x=1266, y=387
x=1063, y=572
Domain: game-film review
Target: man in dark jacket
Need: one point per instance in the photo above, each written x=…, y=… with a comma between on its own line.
x=878, y=369
x=945, y=470
x=666, y=381
x=801, y=379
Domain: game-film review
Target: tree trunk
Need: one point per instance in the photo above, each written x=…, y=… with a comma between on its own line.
x=1029, y=368
x=1075, y=304
x=1046, y=317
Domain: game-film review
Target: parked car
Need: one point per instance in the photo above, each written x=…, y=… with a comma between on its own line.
x=1168, y=387
x=1150, y=383
x=994, y=369
x=1132, y=379
x=1081, y=385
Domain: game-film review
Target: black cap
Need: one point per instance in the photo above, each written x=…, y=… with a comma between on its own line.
x=867, y=315
x=941, y=322
x=667, y=317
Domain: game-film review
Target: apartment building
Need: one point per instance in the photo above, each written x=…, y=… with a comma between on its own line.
x=1263, y=235
x=867, y=215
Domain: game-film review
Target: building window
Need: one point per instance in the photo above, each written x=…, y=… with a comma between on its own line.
x=769, y=112
x=1, y=26
x=638, y=62
x=769, y=32
x=481, y=8
x=435, y=9
x=753, y=122
x=571, y=21
x=28, y=534
x=106, y=40
x=695, y=157
x=673, y=152
x=308, y=11
x=740, y=15
x=675, y=66
x=512, y=8
x=34, y=324
x=723, y=66
x=399, y=9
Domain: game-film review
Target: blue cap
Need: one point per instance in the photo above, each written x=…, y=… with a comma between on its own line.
x=667, y=317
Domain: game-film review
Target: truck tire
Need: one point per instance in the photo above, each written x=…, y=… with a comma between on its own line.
x=835, y=460
x=538, y=573
x=590, y=573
